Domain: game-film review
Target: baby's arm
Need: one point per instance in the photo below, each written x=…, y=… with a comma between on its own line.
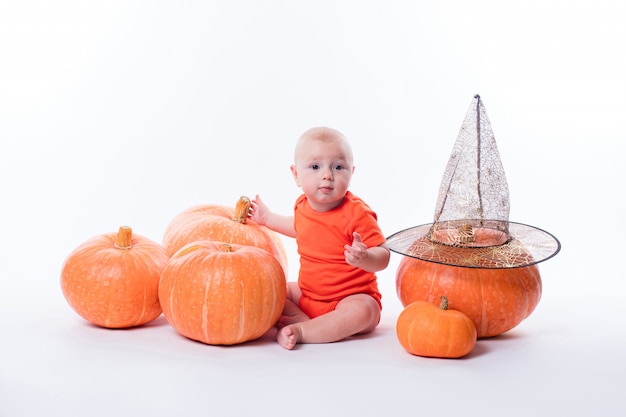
x=261, y=214
x=369, y=259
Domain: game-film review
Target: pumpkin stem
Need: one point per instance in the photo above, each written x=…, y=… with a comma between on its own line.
x=226, y=247
x=444, y=303
x=241, y=209
x=124, y=238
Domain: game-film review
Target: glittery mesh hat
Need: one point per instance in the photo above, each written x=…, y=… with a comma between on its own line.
x=471, y=227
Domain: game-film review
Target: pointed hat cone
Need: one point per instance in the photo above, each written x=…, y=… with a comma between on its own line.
x=471, y=227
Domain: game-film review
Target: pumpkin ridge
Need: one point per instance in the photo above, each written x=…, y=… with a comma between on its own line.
x=109, y=301
x=242, y=311
x=144, y=302
x=120, y=271
x=411, y=335
x=204, y=323
x=138, y=263
x=484, y=320
x=450, y=336
x=435, y=278
x=532, y=277
x=522, y=283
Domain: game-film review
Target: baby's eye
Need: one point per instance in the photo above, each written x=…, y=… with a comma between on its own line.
x=315, y=167
x=338, y=167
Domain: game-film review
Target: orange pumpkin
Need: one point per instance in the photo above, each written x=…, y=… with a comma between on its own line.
x=425, y=329
x=495, y=299
x=222, y=294
x=112, y=280
x=222, y=224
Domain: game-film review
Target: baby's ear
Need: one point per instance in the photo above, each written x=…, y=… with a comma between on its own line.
x=294, y=173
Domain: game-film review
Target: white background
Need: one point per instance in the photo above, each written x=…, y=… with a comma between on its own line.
x=128, y=112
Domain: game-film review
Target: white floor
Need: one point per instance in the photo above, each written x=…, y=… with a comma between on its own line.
x=129, y=112
x=568, y=357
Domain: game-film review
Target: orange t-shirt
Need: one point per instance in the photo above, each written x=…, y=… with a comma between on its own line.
x=324, y=273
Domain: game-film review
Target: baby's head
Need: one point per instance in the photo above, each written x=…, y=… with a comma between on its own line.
x=325, y=135
x=323, y=167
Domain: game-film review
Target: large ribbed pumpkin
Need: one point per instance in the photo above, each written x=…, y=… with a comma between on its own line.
x=222, y=294
x=112, y=279
x=222, y=224
x=495, y=299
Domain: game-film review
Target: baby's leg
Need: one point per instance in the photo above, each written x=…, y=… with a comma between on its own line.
x=355, y=314
x=291, y=312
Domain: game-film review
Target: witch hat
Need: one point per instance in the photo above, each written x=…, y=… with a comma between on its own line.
x=471, y=227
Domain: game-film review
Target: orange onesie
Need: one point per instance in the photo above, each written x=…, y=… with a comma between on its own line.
x=325, y=277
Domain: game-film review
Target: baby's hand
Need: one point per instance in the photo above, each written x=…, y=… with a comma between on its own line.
x=258, y=211
x=356, y=253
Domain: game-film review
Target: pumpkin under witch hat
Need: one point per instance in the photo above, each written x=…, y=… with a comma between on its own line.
x=471, y=226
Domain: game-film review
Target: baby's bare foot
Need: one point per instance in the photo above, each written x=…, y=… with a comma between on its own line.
x=288, y=336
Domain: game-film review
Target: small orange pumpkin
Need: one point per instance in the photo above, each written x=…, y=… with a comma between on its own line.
x=495, y=299
x=222, y=294
x=112, y=280
x=425, y=329
x=222, y=224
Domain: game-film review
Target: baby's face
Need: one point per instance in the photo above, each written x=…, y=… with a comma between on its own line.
x=323, y=169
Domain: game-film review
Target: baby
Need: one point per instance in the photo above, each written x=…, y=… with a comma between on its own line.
x=339, y=242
